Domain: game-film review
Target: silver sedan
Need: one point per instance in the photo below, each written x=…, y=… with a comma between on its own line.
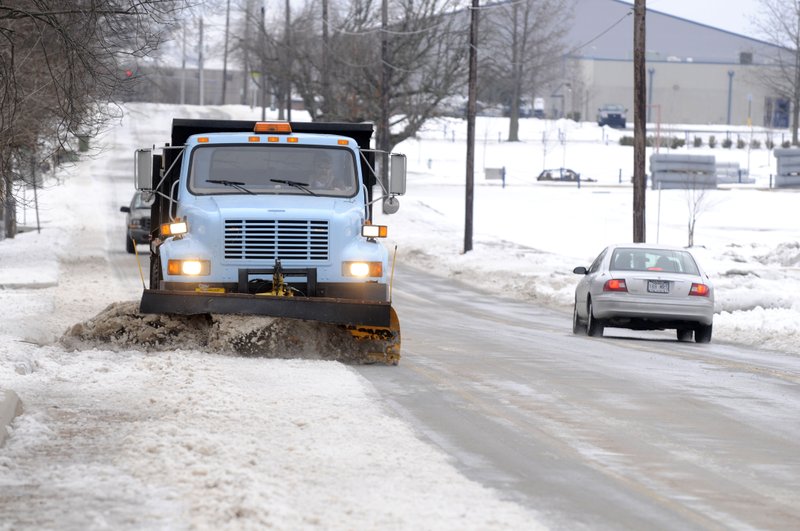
x=644, y=287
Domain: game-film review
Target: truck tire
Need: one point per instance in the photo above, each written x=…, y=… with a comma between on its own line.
x=155, y=271
x=130, y=246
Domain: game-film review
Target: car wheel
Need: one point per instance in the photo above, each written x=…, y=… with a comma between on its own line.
x=577, y=327
x=685, y=334
x=130, y=246
x=702, y=334
x=593, y=326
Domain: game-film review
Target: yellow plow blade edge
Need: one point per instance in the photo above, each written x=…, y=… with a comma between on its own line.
x=380, y=344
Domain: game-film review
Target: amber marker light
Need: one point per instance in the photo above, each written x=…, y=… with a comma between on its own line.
x=272, y=127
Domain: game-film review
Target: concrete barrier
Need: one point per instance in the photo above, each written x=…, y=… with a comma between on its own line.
x=788, y=167
x=677, y=171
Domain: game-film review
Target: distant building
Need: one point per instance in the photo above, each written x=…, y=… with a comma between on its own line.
x=696, y=74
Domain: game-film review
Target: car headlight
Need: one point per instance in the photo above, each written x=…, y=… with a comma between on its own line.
x=362, y=269
x=190, y=268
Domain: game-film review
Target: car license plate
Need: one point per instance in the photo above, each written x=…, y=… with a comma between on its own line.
x=658, y=286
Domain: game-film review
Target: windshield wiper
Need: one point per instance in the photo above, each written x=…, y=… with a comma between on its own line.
x=296, y=184
x=234, y=184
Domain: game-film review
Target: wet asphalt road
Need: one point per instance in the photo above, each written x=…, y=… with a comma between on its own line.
x=629, y=431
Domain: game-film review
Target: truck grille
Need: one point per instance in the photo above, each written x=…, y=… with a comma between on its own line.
x=250, y=239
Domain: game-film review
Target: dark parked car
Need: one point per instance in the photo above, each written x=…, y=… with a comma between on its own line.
x=137, y=221
x=612, y=115
x=558, y=174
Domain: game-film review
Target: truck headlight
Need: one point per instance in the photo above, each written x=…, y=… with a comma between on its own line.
x=362, y=269
x=190, y=268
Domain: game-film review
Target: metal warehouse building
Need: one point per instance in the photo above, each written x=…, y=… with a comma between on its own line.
x=696, y=74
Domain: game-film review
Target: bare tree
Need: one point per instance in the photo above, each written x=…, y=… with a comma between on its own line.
x=698, y=201
x=60, y=62
x=779, y=21
x=525, y=37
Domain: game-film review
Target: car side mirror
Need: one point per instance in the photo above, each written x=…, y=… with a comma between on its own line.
x=127, y=210
x=580, y=270
x=143, y=170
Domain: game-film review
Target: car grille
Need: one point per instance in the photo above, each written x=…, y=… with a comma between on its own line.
x=249, y=239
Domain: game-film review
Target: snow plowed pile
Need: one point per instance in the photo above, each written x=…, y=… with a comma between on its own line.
x=121, y=327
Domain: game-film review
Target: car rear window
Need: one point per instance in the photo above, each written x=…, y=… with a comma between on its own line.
x=668, y=260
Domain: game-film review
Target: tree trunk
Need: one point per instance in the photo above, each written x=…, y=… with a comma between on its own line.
x=516, y=69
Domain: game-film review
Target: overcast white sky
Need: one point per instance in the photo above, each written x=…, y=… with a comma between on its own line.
x=731, y=15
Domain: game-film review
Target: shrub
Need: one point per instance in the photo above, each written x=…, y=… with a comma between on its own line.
x=676, y=143
x=769, y=144
x=698, y=142
x=727, y=143
x=626, y=141
x=740, y=143
x=786, y=144
x=712, y=141
x=755, y=144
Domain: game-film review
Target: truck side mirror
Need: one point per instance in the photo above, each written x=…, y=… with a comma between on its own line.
x=397, y=174
x=143, y=171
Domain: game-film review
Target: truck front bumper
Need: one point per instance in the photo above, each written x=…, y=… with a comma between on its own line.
x=322, y=309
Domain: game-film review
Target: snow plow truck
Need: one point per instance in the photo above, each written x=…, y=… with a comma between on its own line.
x=273, y=219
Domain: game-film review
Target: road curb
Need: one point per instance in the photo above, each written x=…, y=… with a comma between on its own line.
x=10, y=407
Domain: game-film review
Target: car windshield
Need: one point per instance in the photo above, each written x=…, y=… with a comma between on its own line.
x=272, y=169
x=673, y=261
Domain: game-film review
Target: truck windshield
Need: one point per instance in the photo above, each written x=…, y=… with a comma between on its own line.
x=272, y=169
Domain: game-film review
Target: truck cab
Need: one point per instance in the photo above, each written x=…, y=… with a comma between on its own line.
x=270, y=218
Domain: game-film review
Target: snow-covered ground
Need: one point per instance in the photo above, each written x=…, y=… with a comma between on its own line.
x=132, y=439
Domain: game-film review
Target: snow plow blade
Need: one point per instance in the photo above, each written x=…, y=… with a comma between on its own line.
x=322, y=309
x=372, y=324
x=382, y=343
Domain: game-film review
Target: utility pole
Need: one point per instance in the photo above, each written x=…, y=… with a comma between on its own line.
x=639, y=125
x=472, y=94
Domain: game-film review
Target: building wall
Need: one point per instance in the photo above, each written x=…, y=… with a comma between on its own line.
x=690, y=93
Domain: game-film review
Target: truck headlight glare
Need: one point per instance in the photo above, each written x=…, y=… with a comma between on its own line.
x=190, y=268
x=362, y=269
